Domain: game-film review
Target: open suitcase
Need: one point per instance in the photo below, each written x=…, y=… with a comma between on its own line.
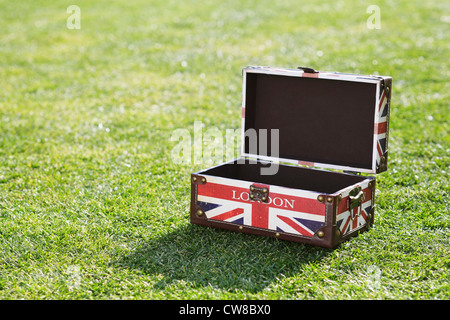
x=293, y=120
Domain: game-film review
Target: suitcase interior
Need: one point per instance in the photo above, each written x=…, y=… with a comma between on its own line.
x=321, y=181
x=320, y=120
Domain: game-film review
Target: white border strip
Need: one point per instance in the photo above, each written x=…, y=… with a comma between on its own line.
x=321, y=75
x=375, y=136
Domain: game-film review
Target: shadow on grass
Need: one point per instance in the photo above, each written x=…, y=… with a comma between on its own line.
x=219, y=258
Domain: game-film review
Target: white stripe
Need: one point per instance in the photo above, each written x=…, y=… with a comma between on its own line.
x=275, y=222
x=242, y=136
x=381, y=120
x=366, y=204
x=316, y=164
x=375, y=138
x=343, y=215
x=346, y=191
x=286, y=228
x=219, y=210
x=321, y=75
x=293, y=192
x=296, y=214
x=361, y=221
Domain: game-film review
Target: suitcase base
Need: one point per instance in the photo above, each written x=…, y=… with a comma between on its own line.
x=316, y=207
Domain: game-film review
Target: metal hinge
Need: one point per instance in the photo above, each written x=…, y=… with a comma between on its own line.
x=308, y=70
x=259, y=194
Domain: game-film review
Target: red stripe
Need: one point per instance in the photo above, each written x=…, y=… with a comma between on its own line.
x=229, y=214
x=380, y=153
x=355, y=217
x=260, y=215
x=306, y=163
x=260, y=211
x=381, y=101
x=295, y=226
x=243, y=112
x=380, y=128
x=310, y=75
x=282, y=201
x=363, y=214
x=346, y=224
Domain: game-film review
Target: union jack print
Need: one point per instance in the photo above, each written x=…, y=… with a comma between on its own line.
x=287, y=210
x=380, y=128
x=350, y=220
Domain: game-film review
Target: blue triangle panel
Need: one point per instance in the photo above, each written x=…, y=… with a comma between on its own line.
x=382, y=144
x=385, y=110
x=239, y=221
x=338, y=223
x=311, y=225
x=206, y=206
x=367, y=209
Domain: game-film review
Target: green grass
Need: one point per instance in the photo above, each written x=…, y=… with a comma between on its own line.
x=91, y=205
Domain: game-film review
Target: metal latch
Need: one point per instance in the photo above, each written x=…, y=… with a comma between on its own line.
x=355, y=198
x=259, y=194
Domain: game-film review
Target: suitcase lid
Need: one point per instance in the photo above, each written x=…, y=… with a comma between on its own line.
x=327, y=120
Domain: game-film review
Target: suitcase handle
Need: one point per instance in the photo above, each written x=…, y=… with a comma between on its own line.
x=355, y=198
x=355, y=201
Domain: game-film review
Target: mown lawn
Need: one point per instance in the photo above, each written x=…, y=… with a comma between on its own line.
x=92, y=205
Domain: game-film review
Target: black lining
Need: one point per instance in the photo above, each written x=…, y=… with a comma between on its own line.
x=287, y=176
